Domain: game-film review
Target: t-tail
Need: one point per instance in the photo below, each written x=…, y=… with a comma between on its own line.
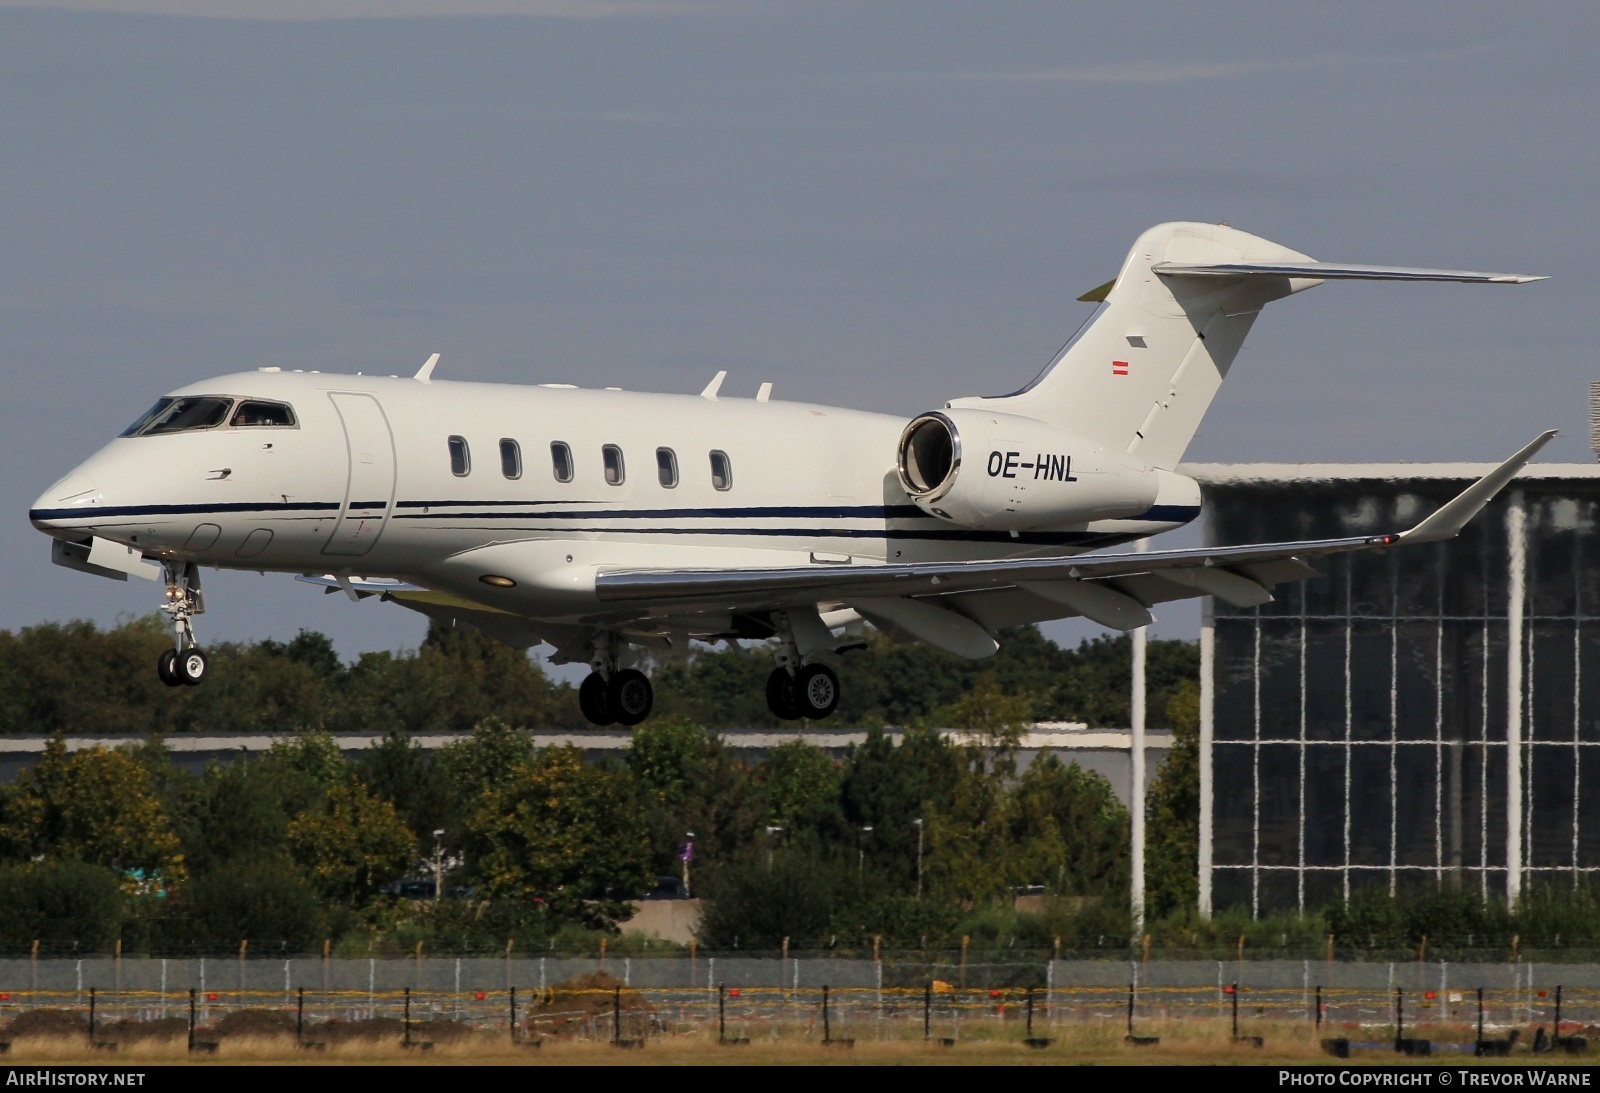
x=1141, y=374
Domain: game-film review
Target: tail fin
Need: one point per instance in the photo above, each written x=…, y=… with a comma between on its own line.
x=1143, y=372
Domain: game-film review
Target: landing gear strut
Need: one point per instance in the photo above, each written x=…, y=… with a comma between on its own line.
x=184, y=664
x=613, y=695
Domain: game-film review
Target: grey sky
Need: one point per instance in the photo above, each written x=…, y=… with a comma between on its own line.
x=879, y=205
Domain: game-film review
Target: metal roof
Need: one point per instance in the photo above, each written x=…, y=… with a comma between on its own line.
x=1266, y=474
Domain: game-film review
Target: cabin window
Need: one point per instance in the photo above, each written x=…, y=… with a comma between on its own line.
x=561, y=461
x=510, y=458
x=667, y=467
x=460, y=457
x=615, y=472
x=252, y=414
x=181, y=415
x=721, y=471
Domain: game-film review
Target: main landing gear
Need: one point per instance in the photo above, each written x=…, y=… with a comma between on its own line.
x=613, y=695
x=184, y=664
x=796, y=689
x=811, y=691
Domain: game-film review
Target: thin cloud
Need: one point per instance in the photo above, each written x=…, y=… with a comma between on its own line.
x=309, y=10
x=1141, y=72
x=1171, y=72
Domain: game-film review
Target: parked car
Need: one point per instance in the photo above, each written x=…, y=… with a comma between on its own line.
x=667, y=888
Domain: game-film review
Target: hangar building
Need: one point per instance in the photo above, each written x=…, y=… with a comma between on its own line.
x=1415, y=716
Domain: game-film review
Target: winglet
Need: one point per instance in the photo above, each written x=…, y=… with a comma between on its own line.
x=425, y=373
x=714, y=386
x=1456, y=513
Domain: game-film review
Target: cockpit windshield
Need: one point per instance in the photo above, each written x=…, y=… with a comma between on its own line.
x=179, y=415
x=193, y=412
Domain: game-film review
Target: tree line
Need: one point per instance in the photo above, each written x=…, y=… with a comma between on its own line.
x=910, y=841
x=899, y=841
x=76, y=677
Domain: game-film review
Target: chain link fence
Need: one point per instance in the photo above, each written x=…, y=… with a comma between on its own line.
x=735, y=997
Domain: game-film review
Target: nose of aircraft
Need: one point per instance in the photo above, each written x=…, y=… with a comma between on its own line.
x=64, y=502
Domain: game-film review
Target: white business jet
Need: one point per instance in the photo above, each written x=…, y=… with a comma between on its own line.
x=603, y=521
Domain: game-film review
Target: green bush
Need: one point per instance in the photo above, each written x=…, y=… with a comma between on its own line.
x=62, y=902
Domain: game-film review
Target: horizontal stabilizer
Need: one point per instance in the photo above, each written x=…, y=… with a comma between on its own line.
x=1339, y=271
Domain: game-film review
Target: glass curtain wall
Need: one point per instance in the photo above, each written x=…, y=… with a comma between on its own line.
x=1360, y=720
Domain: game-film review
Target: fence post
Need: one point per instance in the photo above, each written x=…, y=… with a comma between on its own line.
x=826, y=1032
x=512, y=991
x=927, y=1011
x=1317, y=1022
x=722, y=1012
x=616, y=1009
x=300, y=1015
x=191, y=1018
x=407, y=1040
x=91, y=1015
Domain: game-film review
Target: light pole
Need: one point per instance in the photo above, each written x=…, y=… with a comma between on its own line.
x=438, y=864
x=861, y=853
x=918, y=822
x=772, y=829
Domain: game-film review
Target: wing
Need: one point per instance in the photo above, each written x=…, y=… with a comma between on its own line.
x=933, y=600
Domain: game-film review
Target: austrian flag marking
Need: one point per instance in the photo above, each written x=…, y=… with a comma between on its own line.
x=1119, y=368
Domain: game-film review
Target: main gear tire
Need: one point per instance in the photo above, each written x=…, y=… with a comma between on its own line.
x=630, y=696
x=816, y=691
x=594, y=699
x=782, y=699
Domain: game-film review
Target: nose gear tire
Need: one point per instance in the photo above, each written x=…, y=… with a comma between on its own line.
x=630, y=696
x=594, y=700
x=190, y=667
x=166, y=668
x=782, y=699
x=816, y=691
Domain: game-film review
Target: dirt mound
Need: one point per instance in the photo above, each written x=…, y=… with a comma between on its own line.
x=344, y=1032
x=49, y=1022
x=255, y=1022
x=386, y=1028
x=440, y=1032
x=134, y=1032
x=583, y=1006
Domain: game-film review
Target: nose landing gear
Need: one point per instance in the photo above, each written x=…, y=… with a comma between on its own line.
x=611, y=694
x=184, y=664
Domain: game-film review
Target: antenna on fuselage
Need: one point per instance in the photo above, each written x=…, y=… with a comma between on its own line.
x=425, y=373
x=714, y=386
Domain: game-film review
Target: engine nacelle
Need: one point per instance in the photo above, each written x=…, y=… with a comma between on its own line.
x=999, y=471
